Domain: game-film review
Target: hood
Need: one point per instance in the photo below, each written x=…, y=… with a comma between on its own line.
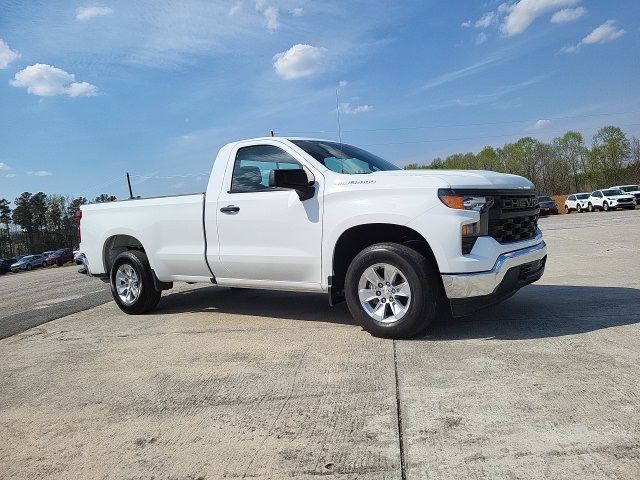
x=472, y=179
x=619, y=197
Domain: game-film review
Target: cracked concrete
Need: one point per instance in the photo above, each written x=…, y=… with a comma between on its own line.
x=237, y=383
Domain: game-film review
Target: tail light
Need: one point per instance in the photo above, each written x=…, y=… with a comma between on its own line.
x=78, y=217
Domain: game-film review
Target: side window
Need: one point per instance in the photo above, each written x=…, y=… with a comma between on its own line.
x=254, y=164
x=572, y=197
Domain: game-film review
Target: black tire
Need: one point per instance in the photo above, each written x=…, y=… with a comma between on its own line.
x=579, y=208
x=605, y=206
x=60, y=263
x=423, y=280
x=29, y=267
x=148, y=297
x=591, y=209
x=567, y=210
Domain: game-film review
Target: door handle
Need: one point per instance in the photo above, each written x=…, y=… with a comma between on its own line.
x=230, y=209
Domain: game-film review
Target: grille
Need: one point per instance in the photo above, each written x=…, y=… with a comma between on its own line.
x=513, y=229
x=637, y=195
x=513, y=218
x=625, y=200
x=531, y=267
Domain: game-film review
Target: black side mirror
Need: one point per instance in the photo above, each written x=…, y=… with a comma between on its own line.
x=293, y=179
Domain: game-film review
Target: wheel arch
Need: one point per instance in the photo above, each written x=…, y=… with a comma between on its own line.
x=356, y=238
x=115, y=245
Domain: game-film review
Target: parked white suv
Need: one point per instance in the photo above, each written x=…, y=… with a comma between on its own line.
x=631, y=190
x=578, y=202
x=611, y=199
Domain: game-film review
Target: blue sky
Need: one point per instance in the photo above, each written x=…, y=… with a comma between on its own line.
x=90, y=90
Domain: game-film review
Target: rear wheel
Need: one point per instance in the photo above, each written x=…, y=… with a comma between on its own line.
x=392, y=291
x=591, y=207
x=132, y=284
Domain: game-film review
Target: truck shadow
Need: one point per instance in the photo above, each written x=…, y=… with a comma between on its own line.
x=542, y=311
x=537, y=311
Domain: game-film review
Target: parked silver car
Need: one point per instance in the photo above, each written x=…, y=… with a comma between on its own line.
x=28, y=262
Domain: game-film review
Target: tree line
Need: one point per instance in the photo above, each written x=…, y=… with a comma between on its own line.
x=563, y=166
x=40, y=222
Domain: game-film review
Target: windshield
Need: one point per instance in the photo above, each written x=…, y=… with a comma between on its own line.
x=613, y=191
x=343, y=158
x=544, y=199
x=630, y=188
x=27, y=258
x=583, y=196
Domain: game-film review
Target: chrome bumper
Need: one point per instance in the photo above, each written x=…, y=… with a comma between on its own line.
x=464, y=285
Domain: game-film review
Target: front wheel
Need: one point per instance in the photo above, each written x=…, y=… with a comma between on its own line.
x=29, y=267
x=392, y=291
x=132, y=284
x=605, y=206
x=567, y=210
x=591, y=207
x=579, y=208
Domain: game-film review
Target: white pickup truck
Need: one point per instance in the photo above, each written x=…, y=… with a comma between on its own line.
x=308, y=215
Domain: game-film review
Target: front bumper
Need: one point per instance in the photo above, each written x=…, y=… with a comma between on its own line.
x=465, y=285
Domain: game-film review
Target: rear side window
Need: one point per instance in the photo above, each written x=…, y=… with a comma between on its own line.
x=254, y=164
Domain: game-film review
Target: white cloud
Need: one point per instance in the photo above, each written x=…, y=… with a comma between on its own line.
x=568, y=15
x=343, y=83
x=233, y=10
x=296, y=12
x=486, y=20
x=6, y=55
x=520, y=15
x=4, y=167
x=89, y=12
x=40, y=173
x=349, y=109
x=270, y=14
x=540, y=124
x=466, y=24
x=607, y=32
x=47, y=81
x=10, y=175
x=300, y=61
x=481, y=38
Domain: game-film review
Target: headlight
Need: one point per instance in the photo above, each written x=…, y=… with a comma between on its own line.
x=462, y=202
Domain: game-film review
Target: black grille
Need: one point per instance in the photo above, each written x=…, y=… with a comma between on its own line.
x=637, y=195
x=530, y=268
x=625, y=200
x=513, y=229
x=513, y=218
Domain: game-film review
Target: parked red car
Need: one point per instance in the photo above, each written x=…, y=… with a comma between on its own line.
x=59, y=257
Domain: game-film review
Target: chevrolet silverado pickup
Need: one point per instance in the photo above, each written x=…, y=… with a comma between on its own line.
x=400, y=246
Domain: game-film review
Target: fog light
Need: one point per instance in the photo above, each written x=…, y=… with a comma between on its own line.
x=470, y=230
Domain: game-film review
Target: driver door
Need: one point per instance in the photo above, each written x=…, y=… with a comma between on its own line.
x=267, y=234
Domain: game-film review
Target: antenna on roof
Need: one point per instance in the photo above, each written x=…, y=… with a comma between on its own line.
x=129, y=183
x=272, y=133
x=338, y=114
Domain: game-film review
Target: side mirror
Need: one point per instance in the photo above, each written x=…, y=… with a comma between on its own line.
x=293, y=179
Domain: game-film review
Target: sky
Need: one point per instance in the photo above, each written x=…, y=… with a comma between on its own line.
x=91, y=90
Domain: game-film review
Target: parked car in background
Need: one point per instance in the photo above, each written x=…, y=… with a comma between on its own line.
x=611, y=199
x=631, y=190
x=77, y=257
x=59, y=257
x=578, y=202
x=5, y=265
x=28, y=262
x=548, y=206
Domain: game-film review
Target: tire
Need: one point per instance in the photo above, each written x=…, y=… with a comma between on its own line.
x=29, y=267
x=44, y=264
x=60, y=263
x=591, y=209
x=415, y=311
x=605, y=206
x=147, y=297
x=579, y=208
